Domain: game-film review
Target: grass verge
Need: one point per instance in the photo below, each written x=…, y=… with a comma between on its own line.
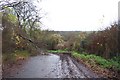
x=100, y=65
x=16, y=55
x=93, y=59
x=57, y=51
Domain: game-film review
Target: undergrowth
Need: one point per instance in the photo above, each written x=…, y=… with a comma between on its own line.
x=97, y=60
x=13, y=57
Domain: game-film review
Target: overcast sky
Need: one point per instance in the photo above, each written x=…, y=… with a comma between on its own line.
x=80, y=15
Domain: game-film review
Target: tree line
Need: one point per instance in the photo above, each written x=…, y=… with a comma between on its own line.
x=103, y=43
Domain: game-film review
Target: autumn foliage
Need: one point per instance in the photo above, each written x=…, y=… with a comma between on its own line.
x=104, y=43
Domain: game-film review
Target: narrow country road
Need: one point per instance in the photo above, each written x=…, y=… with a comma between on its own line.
x=52, y=66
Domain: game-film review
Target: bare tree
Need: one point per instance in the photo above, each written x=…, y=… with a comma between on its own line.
x=26, y=13
x=27, y=16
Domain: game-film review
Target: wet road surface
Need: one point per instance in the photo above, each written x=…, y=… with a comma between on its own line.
x=52, y=66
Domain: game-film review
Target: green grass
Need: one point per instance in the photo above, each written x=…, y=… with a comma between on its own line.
x=56, y=51
x=22, y=53
x=12, y=57
x=97, y=60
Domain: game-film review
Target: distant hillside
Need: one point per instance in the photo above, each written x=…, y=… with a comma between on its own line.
x=68, y=34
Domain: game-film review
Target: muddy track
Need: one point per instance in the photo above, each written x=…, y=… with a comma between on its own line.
x=50, y=66
x=75, y=69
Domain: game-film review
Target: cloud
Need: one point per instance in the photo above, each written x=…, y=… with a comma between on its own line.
x=83, y=15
